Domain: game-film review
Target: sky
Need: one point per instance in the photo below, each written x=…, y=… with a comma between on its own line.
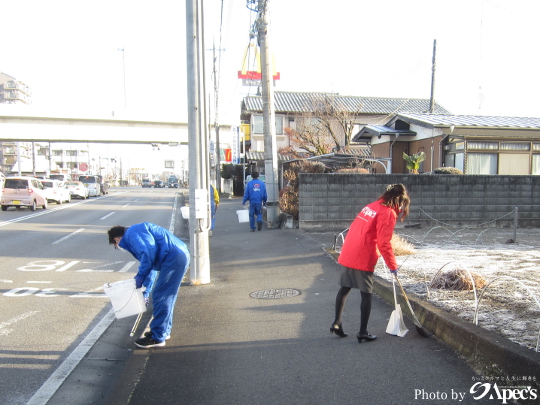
x=68, y=53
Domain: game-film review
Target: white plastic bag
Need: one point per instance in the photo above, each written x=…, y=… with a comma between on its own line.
x=396, y=325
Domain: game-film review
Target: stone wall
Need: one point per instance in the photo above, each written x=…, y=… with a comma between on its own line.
x=331, y=201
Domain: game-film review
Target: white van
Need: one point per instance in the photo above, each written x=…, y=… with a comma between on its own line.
x=93, y=185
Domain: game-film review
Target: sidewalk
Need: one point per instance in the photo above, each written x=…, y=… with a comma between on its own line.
x=227, y=347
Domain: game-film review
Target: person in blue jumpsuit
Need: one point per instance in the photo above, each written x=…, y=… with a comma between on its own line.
x=158, y=252
x=256, y=194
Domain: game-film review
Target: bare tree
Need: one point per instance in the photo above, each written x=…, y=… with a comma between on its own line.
x=327, y=126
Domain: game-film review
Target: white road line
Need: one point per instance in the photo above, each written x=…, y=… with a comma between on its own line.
x=6, y=281
x=67, y=266
x=50, y=386
x=108, y=215
x=3, y=325
x=124, y=206
x=63, y=207
x=126, y=267
x=67, y=236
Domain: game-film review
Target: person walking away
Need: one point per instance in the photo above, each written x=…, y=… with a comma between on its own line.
x=256, y=194
x=156, y=249
x=368, y=237
x=214, y=202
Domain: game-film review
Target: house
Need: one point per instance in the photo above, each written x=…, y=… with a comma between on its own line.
x=473, y=144
x=295, y=109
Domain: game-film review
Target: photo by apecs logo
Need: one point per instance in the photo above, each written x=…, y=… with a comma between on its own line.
x=480, y=390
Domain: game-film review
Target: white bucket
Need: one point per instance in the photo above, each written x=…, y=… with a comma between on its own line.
x=126, y=299
x=243, y=215
x=185, y=212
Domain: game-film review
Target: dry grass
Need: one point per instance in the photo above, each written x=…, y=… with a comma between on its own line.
x=401, y=246
x=458, y=280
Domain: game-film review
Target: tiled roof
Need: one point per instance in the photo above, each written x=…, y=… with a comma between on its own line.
x=437, y=120
x=290, y=102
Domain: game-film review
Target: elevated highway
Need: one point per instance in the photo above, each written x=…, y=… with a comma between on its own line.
x=39, y=128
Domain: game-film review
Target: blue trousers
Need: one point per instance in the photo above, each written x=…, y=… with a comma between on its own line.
x=165, y=292
x=255, y=209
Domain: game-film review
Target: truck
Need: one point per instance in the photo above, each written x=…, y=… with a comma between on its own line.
x=172, y=182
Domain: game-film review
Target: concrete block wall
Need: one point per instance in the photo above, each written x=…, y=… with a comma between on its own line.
x=331, y=201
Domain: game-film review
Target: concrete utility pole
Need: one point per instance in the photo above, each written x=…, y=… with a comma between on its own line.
x=269, y=117
x=198, y=152
x=432, y=99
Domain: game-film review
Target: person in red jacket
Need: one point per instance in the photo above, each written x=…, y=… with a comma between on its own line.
x=368, y=238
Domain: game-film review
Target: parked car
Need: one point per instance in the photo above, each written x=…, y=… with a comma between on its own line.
x=146, y=183
x=93, y=185
x=159, y=184
x=56, y=191
x=23, y=192
x=77, y=189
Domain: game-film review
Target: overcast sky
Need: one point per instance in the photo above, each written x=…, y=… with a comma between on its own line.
x=67, y=52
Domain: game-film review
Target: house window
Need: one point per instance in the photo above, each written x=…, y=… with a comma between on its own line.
x=169, y=164
x=258, y=125
x=515, y=146
x=71, y=153
x=482, y=145
x=58, y=152
x=482, y=163
x=513, y=163
x=536, y=164
x=536, y=146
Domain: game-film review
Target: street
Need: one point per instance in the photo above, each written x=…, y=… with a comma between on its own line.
x=54, y=265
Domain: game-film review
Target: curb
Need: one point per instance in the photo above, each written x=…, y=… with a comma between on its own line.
x=488, y=353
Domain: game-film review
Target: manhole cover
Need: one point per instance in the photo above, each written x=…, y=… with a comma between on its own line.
x=275, y=293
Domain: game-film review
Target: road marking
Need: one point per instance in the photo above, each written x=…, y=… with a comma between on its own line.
x=67, y=236
x=126, y=267
x=3, y=325
x=94, y=271
x=108, y=215
x=67, y=266
x=124, y=206
x=52, y=384
x=6, y=281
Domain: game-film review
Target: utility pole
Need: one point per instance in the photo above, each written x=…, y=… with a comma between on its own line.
x=432, y=99
x=198, y=146
x=269, y=117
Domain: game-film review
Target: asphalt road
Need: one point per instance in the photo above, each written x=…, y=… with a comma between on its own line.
x=54, y=264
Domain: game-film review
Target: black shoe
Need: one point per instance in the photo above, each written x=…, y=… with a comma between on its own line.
x=253, y=230
x=149, y=334
x=147, y=343
x=365, y=336
x=338, y=330
x=259, y=226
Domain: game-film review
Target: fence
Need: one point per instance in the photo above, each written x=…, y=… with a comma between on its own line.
x=331, y=201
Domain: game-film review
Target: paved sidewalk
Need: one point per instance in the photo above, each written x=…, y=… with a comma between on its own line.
x=228, y=347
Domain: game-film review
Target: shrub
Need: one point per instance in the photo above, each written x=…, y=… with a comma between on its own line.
x=288, y=200
x=357, y=170
x=447, y=170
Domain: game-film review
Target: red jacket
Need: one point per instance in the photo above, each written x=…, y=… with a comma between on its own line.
x=368, y=237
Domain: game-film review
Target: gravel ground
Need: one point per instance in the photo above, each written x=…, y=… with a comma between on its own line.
x=509, y=304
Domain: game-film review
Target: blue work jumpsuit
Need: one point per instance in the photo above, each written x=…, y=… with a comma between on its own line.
x=158, y=249
x=256, y=194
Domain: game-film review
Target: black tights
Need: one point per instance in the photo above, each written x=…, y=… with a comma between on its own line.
x=365, y=307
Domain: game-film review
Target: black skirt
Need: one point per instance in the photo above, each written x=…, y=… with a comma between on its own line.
x=360, y=279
